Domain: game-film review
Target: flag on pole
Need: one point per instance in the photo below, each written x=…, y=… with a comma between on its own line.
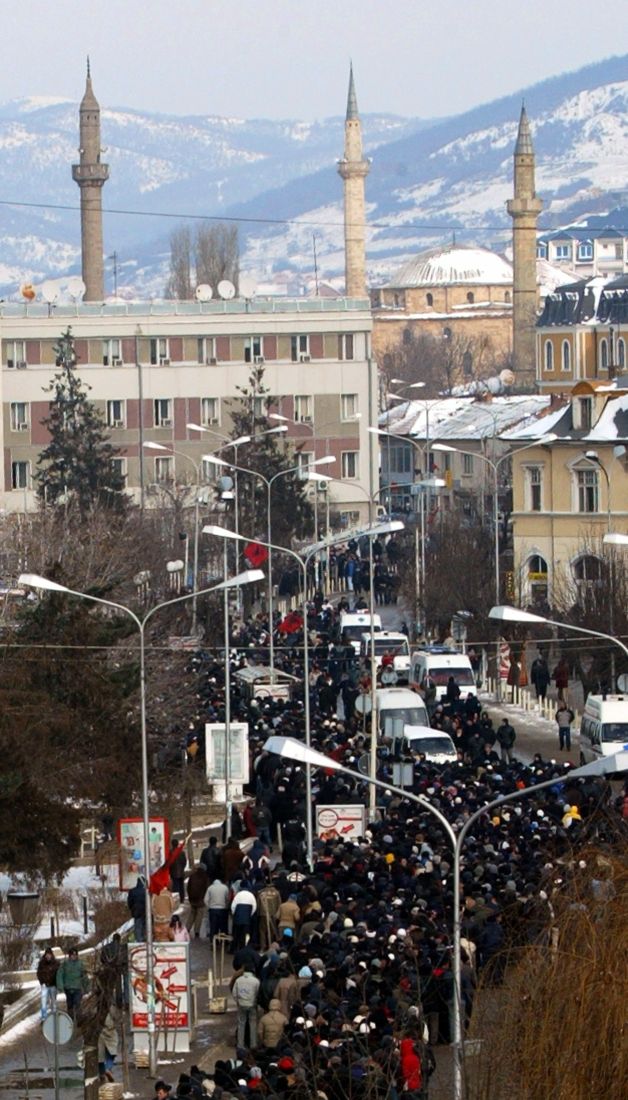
x=255, y=554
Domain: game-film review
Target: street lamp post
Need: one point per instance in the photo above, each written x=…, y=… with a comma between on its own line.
x=295, y=750
x=32, y=580
x=494, y=465
x=303, y=562
x=268, y=482
x=506, y=613
x=150, y=445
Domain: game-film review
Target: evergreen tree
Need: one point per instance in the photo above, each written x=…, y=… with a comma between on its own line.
x=292, y=515
x=77, y=463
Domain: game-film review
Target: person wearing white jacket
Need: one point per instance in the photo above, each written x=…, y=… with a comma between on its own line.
x=243, y=909
x=217, y=904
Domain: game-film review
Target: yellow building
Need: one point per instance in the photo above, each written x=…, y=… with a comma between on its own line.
x=570, y=487
x=582, y=333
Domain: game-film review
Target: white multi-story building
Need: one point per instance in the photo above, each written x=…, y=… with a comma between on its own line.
x=154, y=368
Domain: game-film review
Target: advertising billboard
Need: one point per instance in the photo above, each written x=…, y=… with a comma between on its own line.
x=131, y=847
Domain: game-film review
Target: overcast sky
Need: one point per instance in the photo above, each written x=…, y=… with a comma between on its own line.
x=289, y=58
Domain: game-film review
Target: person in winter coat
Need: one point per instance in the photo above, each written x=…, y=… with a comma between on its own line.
x=410, y=1065
x=71, y=979
x=198, y=883
x=243, y=909
x=540, y=675
x=108, y=1044
x=506, y=737
x=561, y=679
x=245, y=990
x=271, y=1026
x=564, y=718
x=136, y=901
x=47, y=978
x=217, y=904
x=178, y=862
x=288, y=915
x=211, y=859
x=232, y=856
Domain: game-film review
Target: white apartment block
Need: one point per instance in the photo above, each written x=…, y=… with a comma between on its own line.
x=154, y=368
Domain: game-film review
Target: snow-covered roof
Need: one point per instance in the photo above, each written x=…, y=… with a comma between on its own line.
x=453, y=265
x=612, y=424
x=549, y=277
x=464, y=417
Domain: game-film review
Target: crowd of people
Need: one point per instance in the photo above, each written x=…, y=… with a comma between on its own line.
x=342, y=970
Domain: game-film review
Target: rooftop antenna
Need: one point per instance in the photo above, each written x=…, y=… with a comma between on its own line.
x=113, y=256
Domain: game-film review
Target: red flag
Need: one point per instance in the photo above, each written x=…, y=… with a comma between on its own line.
x=255, y=554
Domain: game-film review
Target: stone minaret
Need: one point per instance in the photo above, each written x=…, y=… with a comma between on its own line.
x=90, y=175
x=524, y=210
x=354, y=168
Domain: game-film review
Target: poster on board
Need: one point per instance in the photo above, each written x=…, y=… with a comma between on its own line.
x=131, y=848
x=172, y=986
x=340, y=822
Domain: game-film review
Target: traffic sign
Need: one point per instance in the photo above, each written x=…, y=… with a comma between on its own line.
x=363, y=704
x=64, y=1028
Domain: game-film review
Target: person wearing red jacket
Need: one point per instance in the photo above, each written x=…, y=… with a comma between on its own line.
x=410, y=1065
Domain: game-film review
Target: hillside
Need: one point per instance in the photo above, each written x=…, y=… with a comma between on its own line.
x=429, y=178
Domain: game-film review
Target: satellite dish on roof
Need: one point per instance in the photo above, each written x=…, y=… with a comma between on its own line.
x=203, y=292
x=226, y=289
x=27, y=290
x=50, y=291
x=247, y=286
x=506, y=377
x=76, y=288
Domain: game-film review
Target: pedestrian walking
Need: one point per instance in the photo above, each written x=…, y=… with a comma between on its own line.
x=245, y=991
x=177, y=862
x=540, y=675
x=564, y=718
x=506, y=737
x=72, y=980
x=198, y=884
x=47, y=978
x=243, y=909
x=561, y=679
x=136, y=902
x=217, y=905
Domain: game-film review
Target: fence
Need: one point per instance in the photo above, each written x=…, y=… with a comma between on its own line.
x=525, y=698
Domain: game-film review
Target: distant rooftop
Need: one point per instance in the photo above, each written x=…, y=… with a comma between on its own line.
x=164, y=308
x=463, y=417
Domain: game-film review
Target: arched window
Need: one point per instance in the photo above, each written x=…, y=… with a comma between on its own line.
x=447, y=333
x=407, y=336
x=507, y=296
x=588, y=574
x=588, y=568
x=603, y=355
x=549, y=355
x=470, y=297
x=429, y=298
x=467, y=364
x=537, y=564
x=621, y=352
x=566, y=355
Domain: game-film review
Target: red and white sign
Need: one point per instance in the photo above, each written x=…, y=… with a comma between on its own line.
x=340, y=822
x=131, y=848
x=172, y=986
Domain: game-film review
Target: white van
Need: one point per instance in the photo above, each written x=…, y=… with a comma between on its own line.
x=603, y=727
x=387, y=641
x=437, y=746
x=439, y=663
x=353, y=624
x=398, y=707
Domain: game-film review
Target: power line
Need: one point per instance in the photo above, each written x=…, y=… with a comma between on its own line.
x=181, y=216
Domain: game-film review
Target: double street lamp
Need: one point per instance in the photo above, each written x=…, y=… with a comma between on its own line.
x=32, y=580
x=292, y=749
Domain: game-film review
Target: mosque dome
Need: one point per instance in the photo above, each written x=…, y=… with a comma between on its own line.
x=454, y=266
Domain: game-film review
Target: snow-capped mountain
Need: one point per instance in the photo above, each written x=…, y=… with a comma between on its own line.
x=428, y=179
